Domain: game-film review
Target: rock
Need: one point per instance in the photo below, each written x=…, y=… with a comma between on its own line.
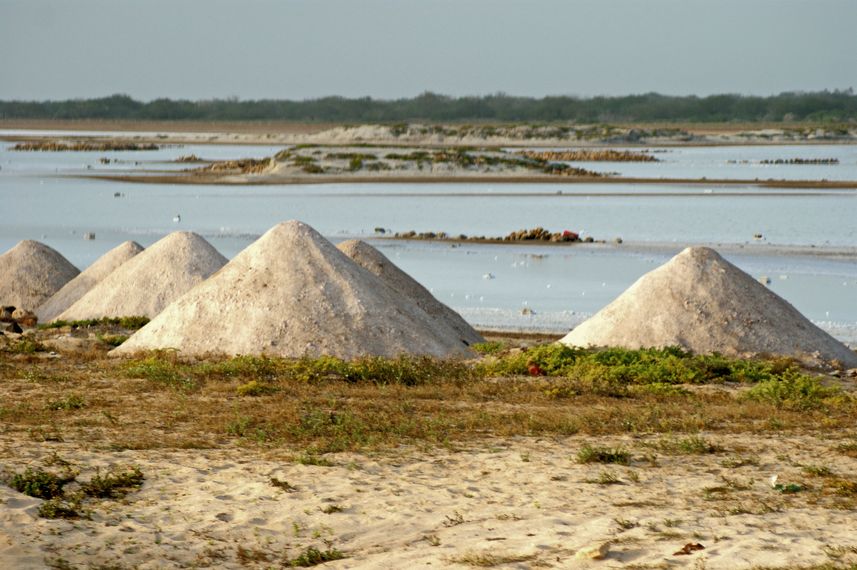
x=25, y=317
x=6, y=313
x=594, y=552
x=12, y=327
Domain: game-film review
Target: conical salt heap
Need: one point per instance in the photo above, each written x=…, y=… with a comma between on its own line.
x=701, y=302
x=376, y=262
x=145, y=284
x=30, y=273
x=86, y=280
x=291, y=294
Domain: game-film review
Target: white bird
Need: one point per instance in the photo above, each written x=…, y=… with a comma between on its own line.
x=177, y=218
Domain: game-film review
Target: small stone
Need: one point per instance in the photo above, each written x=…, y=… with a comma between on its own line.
x=594, y=552
x=25, y=318
x=12, y=327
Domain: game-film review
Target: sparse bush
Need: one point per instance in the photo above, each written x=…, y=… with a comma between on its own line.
x=590, y=454
x=41, y=484
x=693, y=445
x=63, y=508
x=792, y=390
x=492, y=347
x=312, y=556
x=131, y=323
x=70, y=402
x=115, y=484
x=112, y=339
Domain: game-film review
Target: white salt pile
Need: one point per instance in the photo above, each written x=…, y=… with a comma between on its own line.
x=30, y=273
x=292, y=293
x=702, y=302
x=151, y=280
x=376, y=262
x=88, y=278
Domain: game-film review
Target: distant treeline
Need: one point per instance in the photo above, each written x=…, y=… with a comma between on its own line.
x=817, y=106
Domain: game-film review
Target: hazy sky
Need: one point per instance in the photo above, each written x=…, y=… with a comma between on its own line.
x=296, y=49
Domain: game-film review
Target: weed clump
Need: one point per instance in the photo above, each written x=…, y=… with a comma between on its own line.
x=608, y=371
x=255, y=388
x=590, y=454
x=130, y=323
x=693, y=445
x=793, y=391
x=41, y=484
x=70, y=402
x=312, y=556
x=114, y=484
x=69, y=508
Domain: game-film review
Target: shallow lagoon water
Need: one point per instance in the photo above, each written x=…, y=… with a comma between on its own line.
x=739, y=163
x=490, y=284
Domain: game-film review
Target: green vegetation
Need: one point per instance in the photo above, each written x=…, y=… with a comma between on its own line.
x=431, y=107
x=312, y=556
x=130, y=323
x=405, y=370
x=590, y=454
x=63, y=508
x=41, y=484
x=115, y=484
x=671, y=365
x=794, y=391
x=70, y=402
x=112, y=339
x=693, y=445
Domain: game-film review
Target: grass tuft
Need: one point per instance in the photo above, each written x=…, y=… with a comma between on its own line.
x=590, y=454
x=312, y=556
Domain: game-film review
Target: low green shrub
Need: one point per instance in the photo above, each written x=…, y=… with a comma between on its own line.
x=41, y=484
x=591, y=454
x=312, y=556
x=114, y=484
x=131, y=323
x=792, y=390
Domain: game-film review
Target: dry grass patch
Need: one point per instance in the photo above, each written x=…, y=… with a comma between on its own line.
x=327, y=405
x=490, y=559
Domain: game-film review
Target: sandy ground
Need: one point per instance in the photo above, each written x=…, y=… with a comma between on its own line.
x=521, y=503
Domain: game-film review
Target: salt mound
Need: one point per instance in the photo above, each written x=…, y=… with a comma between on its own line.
x=151, y=280
x=292, y=293
x=376, y=262
x=700, y=301
x=30, y=273
x=89, y=278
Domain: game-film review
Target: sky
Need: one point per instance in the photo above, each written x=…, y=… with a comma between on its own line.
x=386, y=49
